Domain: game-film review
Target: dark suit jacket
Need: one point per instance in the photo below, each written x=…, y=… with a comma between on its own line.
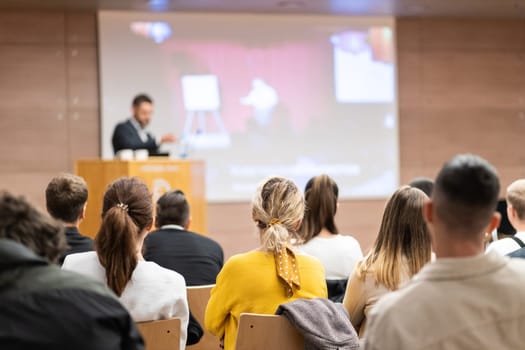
x=77, y=243
x=125, y=136
x=196, y=257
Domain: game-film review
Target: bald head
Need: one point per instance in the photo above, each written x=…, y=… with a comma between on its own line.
x=466, y=195
x=516, y=197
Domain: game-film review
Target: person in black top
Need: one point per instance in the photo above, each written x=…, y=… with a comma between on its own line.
x=131, y=134
x=66, y=198
x=424, y=184
x=44, y=307
x=196, y=257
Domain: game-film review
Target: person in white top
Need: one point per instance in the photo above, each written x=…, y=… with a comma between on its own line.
x=516, y=213
x=465, y=300
x=338, y=254
x=147, y=290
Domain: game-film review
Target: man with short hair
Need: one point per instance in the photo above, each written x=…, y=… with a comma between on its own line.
x=199, y=259
x=465, y=299
x=132, y=133
x=44, y=307
x=66, y=199
x=516, y=213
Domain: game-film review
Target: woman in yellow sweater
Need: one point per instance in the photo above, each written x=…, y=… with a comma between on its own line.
x=273, y=274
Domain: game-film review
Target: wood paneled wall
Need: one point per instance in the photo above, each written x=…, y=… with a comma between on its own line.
x=461, y=89
x=48, y=96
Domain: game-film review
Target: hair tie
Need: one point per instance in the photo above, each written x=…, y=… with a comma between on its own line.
x=123, y=207
x=272, y=222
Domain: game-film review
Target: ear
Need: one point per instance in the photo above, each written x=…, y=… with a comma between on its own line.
x=187, y=224
x=428, y=212
x=511, y=212
x=494, y=222
x=83, y=212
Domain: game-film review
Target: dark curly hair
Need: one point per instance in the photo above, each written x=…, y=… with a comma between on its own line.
x=20, y=221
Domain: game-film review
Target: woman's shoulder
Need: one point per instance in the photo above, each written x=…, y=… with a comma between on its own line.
x=73, y=260
x=149, y=270
x=348, y=239
x=254, y=255
x=308, y=260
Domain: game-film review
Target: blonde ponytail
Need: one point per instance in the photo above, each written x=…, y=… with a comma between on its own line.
x=278, y=208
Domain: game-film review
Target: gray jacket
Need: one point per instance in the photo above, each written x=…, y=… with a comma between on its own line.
x=324, y=324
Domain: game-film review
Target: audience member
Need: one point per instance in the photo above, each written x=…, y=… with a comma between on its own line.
x=424, y=184
x=199, y=259
x=516, y=214
x=338, y=254
x=66, y=199
x=147, y=290
x=44, y=307
x=401, y=249
x=465, y=299
x=261, y=280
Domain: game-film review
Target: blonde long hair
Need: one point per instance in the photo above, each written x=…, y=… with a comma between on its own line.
x=277, y=208
x=403, y=235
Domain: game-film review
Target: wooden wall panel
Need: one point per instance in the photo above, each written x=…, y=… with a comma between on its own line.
x=461, y=34
x=31, y=27
x=466, y=78
x=461, y=87
x=32, y=104
x=82, y=97
x=81, y=28
x=82, y=82
x=48, y=96
x=32, y=75
x=30, y=184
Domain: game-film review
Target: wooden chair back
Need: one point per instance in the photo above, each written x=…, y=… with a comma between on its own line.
x=198, y=297
x=261, y=332
x=161, y=335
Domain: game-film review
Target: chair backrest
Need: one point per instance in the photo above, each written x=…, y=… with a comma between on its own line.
x=261, y=332
x=198, y=297
x=161, y=335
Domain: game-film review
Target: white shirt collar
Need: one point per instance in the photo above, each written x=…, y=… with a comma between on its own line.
x=172, y=227
x=140, y=130
x=136, y=124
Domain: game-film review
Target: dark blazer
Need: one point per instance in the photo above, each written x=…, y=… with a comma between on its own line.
x=125, y=136
x=196, y=257
x=77, y=243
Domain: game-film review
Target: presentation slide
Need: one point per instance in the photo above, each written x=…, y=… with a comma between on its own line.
x=260, y=95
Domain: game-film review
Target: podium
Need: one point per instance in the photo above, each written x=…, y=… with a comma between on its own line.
x=159, y=174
